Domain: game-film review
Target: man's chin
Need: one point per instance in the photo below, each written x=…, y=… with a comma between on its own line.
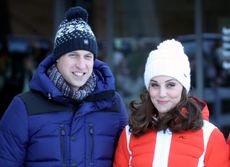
x=76, y=86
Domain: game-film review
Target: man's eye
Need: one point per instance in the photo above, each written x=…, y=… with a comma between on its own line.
x=89, y=56
x=71, y=54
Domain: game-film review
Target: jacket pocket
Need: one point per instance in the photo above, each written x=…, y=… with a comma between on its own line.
x=91, y=144
x=63, y=144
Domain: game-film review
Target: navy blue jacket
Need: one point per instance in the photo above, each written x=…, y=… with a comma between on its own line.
x=75, y=135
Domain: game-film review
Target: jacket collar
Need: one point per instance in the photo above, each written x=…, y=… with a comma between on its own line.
x=204, y=106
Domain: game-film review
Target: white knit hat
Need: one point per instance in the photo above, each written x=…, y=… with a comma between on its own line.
x=168, y=59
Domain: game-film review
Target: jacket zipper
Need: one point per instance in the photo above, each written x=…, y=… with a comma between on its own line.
x=91, y=140
x=63, y=133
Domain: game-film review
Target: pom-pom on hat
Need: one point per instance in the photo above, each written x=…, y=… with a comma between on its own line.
x=168, y=59
x=74, y=33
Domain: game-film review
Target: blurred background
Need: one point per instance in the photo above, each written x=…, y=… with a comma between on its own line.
x=126, y=31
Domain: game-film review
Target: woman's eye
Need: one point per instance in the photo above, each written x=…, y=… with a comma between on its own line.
x=154, y=85
x=169, y=85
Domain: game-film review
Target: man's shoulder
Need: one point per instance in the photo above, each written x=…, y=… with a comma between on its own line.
x=37, y=103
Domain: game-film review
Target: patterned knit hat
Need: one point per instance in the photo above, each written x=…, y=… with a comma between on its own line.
x=74, y=33
x=168, y=59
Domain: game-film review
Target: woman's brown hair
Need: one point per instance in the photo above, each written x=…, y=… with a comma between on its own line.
x=144, y=116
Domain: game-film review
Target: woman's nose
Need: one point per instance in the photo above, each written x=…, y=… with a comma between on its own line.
x=162, y=92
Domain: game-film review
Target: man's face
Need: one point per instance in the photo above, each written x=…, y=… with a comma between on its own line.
x=76, y=67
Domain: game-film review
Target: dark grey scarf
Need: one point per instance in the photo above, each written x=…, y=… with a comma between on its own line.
x=64, y=87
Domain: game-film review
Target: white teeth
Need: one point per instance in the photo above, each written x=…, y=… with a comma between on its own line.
x=79, y=74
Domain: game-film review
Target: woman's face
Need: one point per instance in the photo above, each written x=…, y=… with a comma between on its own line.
x=165, y=93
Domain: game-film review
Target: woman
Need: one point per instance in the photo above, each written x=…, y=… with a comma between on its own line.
x=167, y=128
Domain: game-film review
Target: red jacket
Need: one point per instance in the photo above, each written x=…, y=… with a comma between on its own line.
x=205, y=147
x=229, y=139
x=229, y=143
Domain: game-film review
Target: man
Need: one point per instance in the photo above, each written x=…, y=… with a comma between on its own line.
x=72, y=116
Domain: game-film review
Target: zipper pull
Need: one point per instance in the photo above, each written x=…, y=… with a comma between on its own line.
x=91, y=129
x=62, y=130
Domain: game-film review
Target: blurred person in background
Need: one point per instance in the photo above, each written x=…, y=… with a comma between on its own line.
x=14, y=77
x=167, y=127
x=11, y=79
x=72, y=115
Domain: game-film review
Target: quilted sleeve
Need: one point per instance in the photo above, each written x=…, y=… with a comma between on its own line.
x=13, y=135
x=124, y=113
x=217, y=153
